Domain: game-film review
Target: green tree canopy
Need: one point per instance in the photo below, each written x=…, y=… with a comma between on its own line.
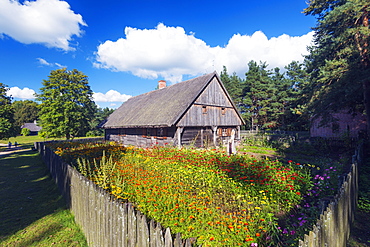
x=233, y=85
x=270, y=98
x=100, y=115
x=257, y=94
x=7, y=127
x=297, y=115
x=66, y=104
x=339, y=62
x=25, y=111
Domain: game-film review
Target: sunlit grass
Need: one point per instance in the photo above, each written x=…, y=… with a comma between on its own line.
x=56, y=229
x=32, y=211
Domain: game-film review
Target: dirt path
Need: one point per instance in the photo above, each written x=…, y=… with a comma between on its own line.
x=10, y=150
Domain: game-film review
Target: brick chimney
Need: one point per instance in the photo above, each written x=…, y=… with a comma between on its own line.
x=161, y=84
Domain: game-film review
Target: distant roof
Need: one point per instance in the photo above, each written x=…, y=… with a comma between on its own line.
x=162, y=107
x=31, y=127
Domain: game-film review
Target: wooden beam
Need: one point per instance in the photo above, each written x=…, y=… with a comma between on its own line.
x=214, y=130
x=178, y=133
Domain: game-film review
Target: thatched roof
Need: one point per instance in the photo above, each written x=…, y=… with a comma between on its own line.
x=159, y=108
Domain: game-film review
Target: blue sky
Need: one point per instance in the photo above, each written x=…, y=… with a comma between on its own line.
x=126, y=46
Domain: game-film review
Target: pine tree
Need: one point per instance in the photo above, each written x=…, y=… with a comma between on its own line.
x=340, y=59
x=297, y=115
x=257, y=95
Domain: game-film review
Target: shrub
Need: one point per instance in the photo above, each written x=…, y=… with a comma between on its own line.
x=25, y=132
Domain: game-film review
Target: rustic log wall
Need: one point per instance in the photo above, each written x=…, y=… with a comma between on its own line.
x=141, y=137
x=106, y=221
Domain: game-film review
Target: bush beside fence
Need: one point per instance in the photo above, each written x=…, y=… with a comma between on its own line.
x=105, y=220
x=333, y=226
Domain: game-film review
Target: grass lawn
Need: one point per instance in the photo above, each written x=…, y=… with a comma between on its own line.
x=32, y=212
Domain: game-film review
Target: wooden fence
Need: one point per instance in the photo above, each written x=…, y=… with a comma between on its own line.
x=105, y=220
x=333, y=226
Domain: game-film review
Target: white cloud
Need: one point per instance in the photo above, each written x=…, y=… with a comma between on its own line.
x=163, y=51
x=25, y=93
x=43, y=62
x=49, y=22
x=277, y=51
x=110, y=96
x=171, y=53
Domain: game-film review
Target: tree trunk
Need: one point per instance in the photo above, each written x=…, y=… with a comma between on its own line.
x=366, y=63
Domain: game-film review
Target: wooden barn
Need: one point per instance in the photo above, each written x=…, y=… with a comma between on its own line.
x=197, y=112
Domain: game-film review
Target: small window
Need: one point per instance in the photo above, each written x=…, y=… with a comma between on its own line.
x=224, y=132
x=335, y=128
x=204, y=109
x=223, y=110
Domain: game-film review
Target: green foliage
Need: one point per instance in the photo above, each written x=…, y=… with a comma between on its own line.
x=364, y=182
x=7, y=126
x=270, y=99
x=101, y=115
x=364, y=204
x=297, y=116
x=25, y=111
x=25, y=132
x=66, y=107
x=339, y=61
x=233, y=85
x=258, y=92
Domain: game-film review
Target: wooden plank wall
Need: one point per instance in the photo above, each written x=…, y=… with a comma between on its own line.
x=214, y=99
x=138, y=137
x=105, y=221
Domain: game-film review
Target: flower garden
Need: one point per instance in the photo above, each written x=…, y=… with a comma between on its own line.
x=221, y=200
